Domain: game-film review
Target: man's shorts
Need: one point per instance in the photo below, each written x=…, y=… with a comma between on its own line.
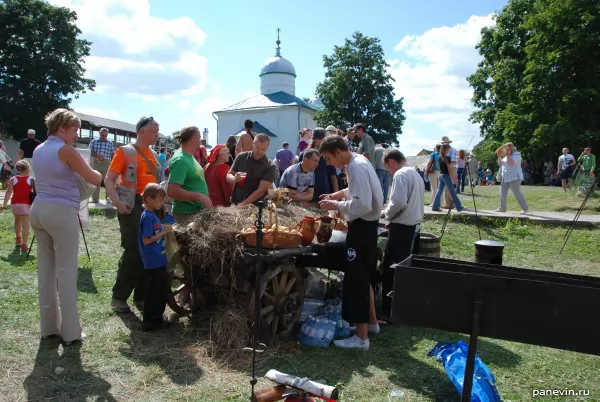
x=567, y=173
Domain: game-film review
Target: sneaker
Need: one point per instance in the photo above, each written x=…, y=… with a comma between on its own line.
x=80, y=339
x=354, y=342
x=523, y=212
x=120, y=306
x=371, y=328
x=500, y=210
x=437, y=210
x=18, y=241
x=24, y=247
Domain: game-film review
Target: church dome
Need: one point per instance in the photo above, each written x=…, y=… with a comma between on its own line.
x=278, y=64
x=278, y=74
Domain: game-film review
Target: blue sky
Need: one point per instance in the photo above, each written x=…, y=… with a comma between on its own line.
x=180, y=60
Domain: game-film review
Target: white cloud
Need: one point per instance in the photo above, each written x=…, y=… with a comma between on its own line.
x=430, y=74
x=138, y=53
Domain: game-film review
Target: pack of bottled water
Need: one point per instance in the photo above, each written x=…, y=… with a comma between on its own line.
x=317, y=331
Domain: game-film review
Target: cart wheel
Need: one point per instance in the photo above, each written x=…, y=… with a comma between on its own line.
x=282, y=298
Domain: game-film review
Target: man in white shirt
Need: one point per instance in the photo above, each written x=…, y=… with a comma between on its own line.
x=566, y=167
x=404, y=212
x=360, y=204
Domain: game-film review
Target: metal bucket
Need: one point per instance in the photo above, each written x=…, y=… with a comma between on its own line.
x=430, y=245
x=488, y=252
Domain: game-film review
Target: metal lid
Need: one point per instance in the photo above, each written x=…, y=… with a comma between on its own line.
x=489, y=243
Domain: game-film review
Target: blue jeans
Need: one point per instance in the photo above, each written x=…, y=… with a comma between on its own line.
x=446, y=180
x=384, y=179
x=460, y=185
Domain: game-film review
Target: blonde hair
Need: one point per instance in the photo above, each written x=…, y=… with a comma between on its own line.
x=22, y=166
x=60, y=118
x=511, y=146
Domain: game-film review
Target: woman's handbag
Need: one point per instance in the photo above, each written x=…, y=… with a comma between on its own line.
x=85, y=189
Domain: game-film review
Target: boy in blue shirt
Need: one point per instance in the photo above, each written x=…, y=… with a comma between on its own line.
x=152, y=247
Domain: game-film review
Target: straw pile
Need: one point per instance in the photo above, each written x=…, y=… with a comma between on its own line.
x=213, y=244
x=230, y=330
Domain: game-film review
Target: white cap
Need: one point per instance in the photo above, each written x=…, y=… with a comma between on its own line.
x=31, y=131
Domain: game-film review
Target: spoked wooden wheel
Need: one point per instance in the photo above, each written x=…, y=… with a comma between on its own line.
x=281, y=298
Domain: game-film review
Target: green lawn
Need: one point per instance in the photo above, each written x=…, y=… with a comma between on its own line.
x=539, y=198
x=121, y=362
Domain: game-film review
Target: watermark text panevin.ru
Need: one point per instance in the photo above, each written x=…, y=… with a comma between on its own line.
x=560, y=392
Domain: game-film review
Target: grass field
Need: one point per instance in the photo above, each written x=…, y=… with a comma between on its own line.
x=539, y=198
x=119, y=362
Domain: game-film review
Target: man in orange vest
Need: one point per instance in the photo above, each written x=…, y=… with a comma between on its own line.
x=131, y=169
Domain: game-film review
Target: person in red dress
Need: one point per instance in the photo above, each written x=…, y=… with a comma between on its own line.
x=219, y=191
x=19, y=192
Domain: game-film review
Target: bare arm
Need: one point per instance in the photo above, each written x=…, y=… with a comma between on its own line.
x=334, y=183
x=260, y=192
x=9, y=192
x=153, y=239
x=20, y=156
x=75, y=161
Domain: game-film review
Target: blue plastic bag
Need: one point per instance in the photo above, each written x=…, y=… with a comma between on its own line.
x=317, y=331
x=454, y=358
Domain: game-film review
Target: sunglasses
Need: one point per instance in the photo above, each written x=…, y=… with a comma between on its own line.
x=145, y=122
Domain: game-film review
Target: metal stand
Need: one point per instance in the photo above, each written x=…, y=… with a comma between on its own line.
x=470, y=366
x=577, y=215
x=82, y=234
x=473, y=195
x=259, y=240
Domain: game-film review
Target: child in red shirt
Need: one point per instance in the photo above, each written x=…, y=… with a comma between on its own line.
x=20, y=189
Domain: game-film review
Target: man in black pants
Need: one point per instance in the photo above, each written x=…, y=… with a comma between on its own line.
x=360, y=204
x=404, y=212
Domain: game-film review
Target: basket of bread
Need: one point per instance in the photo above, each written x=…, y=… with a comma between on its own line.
x=274, y=235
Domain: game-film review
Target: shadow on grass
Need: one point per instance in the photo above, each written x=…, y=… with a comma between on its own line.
x=85, y=281
x=494, y=235
x=43, y=383
x=175, y=355
x=398, y=352
x=17, y=257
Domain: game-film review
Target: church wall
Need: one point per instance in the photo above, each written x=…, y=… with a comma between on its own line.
x=284, y=122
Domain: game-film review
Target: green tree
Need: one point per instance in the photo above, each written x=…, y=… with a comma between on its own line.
x=40, y=63
x=358, y=88
x=485, y=152
x=539, y=82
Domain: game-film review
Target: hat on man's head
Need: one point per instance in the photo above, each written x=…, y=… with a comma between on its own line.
x=31, y=131
x=318, y=133
x=445, y=140
x=331, y=128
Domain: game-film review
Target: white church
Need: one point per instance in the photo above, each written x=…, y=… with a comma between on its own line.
x=277, y=111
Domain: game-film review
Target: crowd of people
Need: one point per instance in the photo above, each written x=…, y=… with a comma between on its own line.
x=152, y=191
x=342, y=172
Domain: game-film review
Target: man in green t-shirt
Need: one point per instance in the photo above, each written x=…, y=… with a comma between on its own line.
x=187, y=186
x=587, y=161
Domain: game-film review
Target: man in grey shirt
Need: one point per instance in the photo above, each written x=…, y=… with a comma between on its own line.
x=382, y=172
x=404, y=212
x=260, y=173
x=367, y=145
x=360, y=204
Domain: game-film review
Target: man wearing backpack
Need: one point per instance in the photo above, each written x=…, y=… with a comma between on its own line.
x=131, y=169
